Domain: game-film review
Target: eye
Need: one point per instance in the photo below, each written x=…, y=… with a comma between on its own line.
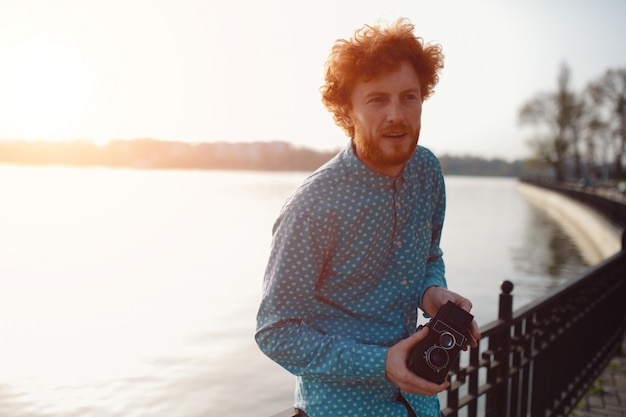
x=376, y=100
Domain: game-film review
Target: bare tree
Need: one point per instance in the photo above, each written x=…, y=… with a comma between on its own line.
x=598, y=147
x=560, y=113
x=548, y=147
x=609, y=92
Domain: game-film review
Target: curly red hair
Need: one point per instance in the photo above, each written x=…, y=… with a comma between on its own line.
x=371, y=51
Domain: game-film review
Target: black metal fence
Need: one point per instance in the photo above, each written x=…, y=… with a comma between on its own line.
x=541, y=359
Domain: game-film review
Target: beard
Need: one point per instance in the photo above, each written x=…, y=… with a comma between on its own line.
x=377, y=153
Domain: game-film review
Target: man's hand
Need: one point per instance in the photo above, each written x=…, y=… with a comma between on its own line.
x=398, y=372
x=434, y=297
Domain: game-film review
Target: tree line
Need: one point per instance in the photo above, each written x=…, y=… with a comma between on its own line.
x=157, y=154
x=261, y=156
x=580, y=134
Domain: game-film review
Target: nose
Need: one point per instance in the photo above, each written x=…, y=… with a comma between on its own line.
x=395, y=112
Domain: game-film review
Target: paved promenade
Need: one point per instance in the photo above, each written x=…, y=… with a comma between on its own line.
x=607, y=398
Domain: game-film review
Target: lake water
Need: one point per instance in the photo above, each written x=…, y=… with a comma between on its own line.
x=134, y=293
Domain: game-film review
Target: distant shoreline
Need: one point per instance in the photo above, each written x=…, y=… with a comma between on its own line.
x=255, y=156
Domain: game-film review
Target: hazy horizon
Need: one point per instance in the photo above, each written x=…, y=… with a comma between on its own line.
x=244, y=71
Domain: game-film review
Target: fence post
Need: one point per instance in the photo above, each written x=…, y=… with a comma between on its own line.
x=505, y=309
x=497, y=403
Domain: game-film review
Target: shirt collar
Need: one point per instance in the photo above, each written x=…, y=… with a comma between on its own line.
x=366, y=175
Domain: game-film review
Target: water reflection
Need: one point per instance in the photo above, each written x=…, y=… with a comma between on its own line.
x=544, y=257
x=546, y=250
x=493, y=233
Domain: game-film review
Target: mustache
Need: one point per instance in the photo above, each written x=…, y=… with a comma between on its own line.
x=396, y=129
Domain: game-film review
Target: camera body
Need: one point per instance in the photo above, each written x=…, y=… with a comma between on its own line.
x=433, y=357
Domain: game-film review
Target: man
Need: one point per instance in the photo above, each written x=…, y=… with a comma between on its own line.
x=356, y=250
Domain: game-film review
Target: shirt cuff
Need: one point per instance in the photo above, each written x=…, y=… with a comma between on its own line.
x=369, y=362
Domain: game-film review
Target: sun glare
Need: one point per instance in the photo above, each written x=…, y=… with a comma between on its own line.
x=43, y=90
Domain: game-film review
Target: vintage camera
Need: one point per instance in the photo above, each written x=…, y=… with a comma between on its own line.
x=432, y=357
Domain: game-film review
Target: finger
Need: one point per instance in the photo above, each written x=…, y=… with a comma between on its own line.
x=464, y=303
x=415, y=338
x=473, y=336
x=420, y=333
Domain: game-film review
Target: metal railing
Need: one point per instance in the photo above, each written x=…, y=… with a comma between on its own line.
x=541, y=359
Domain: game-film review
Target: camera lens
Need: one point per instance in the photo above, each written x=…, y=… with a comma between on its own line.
x=447, y=340
x=436, y=357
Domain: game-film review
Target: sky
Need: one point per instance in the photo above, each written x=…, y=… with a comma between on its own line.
x=248, y=70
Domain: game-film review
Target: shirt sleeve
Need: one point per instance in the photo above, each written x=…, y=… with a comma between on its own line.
x=435, y=267
x=285, y=329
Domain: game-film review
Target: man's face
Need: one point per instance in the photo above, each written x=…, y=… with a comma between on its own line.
x=386, y=114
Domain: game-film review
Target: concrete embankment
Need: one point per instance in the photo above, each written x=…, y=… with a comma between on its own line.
x=596, y=238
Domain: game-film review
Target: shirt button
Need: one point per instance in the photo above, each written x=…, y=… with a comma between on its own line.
x=408, y=322
x=398, y=205
x=404, y=282
x=398, y=243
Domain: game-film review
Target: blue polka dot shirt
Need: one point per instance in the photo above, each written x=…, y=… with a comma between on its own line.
x=352, y=253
